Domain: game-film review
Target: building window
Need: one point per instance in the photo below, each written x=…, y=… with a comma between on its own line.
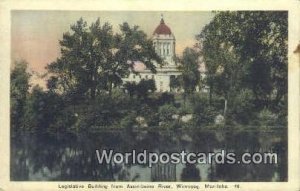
x=133, y=76
x=146, y=77
x=161, y=86
x=152, y=76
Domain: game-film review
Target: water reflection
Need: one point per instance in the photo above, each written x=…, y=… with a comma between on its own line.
x=71, y=156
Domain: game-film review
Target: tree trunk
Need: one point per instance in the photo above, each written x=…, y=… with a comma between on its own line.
x=225, y=107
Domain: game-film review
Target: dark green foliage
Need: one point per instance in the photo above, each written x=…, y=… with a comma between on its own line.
x=142, y=89
x=166, y=112
x=19, y=86
x=42, y=110
x=189, y=65
x=94, y=59
x=104, y=111
x=204, y=113
x=247, y=52
x=130, y=87
x=166, y=98
x=129, y=121
x=175, y=82
x=242, y=107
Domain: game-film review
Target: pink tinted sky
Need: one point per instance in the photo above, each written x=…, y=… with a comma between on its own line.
x=35, y=34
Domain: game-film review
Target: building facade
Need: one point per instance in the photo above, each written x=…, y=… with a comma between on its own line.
x=164, y=43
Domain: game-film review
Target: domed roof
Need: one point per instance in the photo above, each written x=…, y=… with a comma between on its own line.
x=162, y=28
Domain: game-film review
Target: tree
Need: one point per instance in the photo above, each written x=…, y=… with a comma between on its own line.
x=42, y=110
x=141, y=89
x=19, y=86
x=144, y=87
x=130, y=87
x=204, y=113
x=247, y=51
x=175, y=83
x=166, y=112
x=189, y=66
x=94, y=59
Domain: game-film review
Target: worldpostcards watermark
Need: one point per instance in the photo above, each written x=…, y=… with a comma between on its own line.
x=150, y=158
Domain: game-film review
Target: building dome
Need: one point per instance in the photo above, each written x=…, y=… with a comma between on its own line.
x=162, y=28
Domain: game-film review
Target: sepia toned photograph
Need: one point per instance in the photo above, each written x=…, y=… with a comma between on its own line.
x=149, y=96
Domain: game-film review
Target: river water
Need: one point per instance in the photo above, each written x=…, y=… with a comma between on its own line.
x=72, y=156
